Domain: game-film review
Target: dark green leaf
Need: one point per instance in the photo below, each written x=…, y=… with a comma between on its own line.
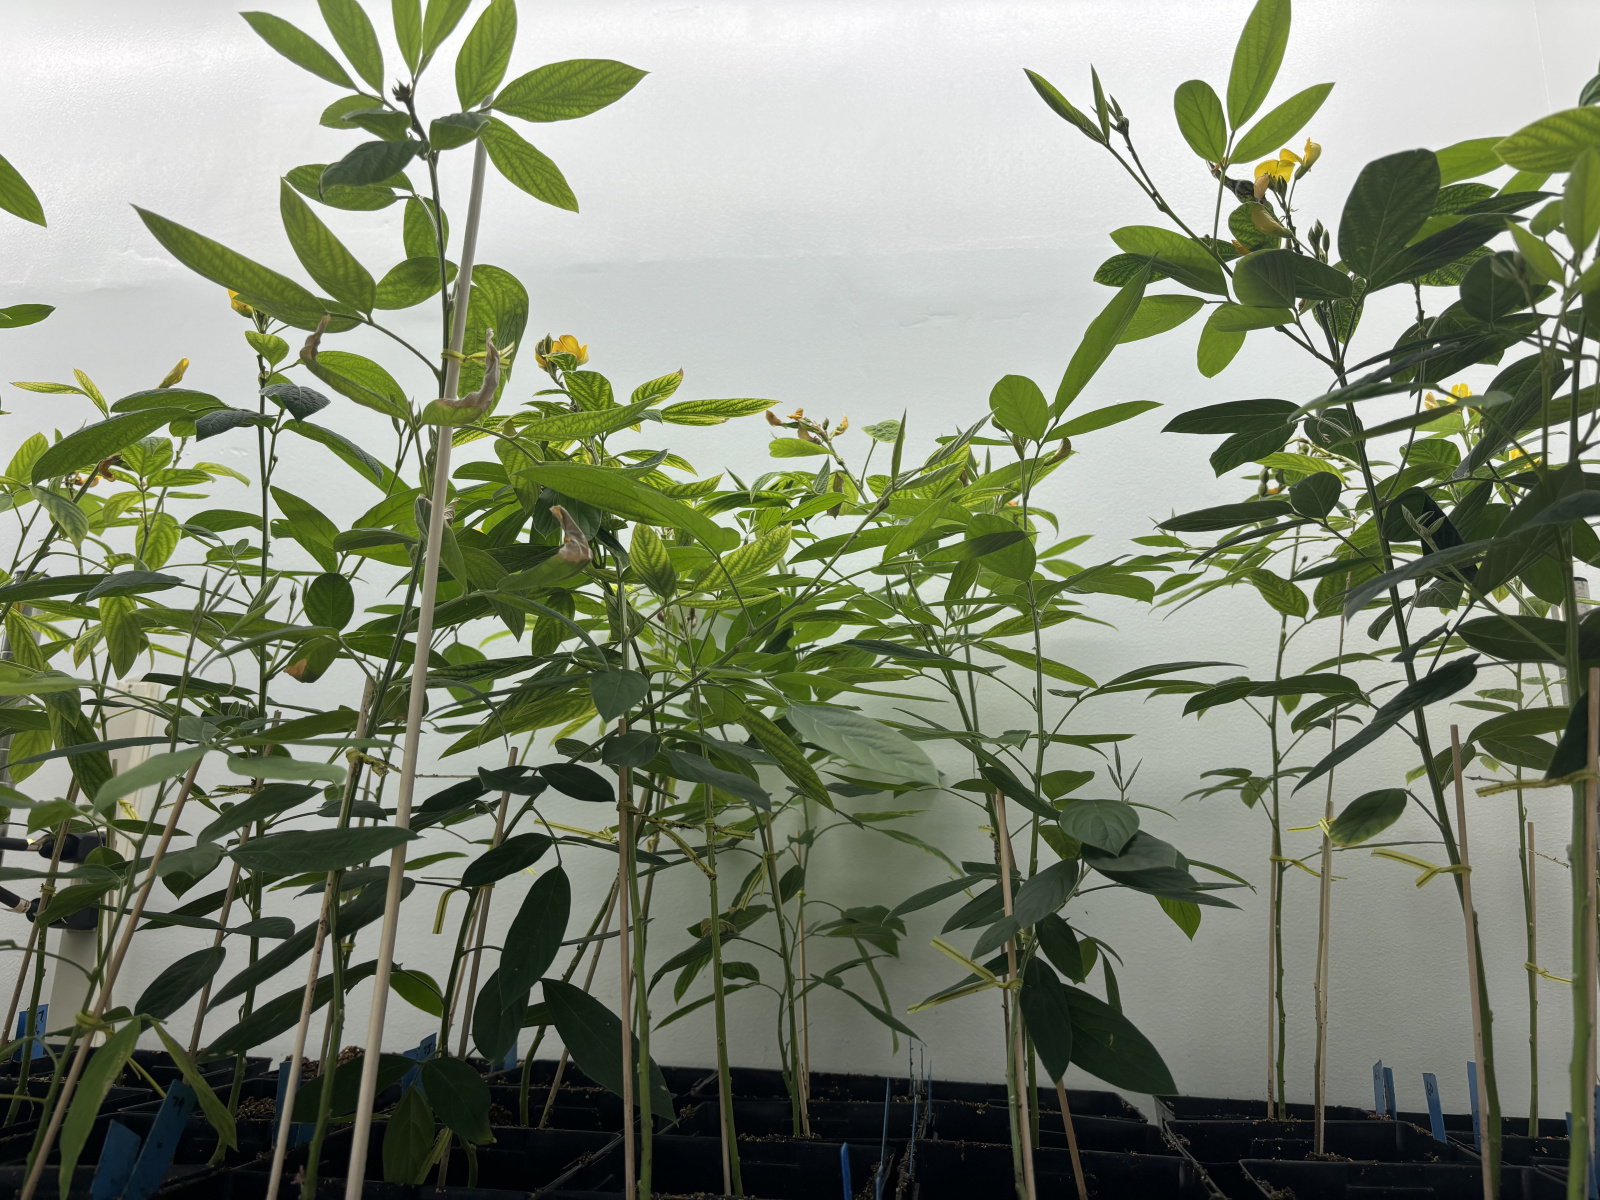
x=1108, y=1046
x=536, y=931
x=368, y=163
x=1277, y=278
x=593, y=1035
x=510, y=856
x=1367, y=816
x=1200, y=119
x=579, y=782
x=1048, y=1016
x=408, y=1140
x=1106, y=824
x=1227, y=516
x=1391, y=199
x=1282, y=123
x=616, y=692
x=179, y=981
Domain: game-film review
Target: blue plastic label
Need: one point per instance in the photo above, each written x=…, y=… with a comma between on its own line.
x=1430, y=1086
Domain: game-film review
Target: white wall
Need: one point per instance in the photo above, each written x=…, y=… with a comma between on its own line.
x=855, y=208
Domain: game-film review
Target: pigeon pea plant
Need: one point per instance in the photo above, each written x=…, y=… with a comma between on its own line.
x=1476, y=508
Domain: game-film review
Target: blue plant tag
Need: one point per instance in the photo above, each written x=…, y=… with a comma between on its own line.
x=421, y=1052
x=844, y=1169
x=1378, y=1105
x=1430, y=1085
x=116, y=1162
x=1393, y=1109
x=38, y=1029
x=510, y=1061
x=162, y=1143
x=299, y=1132
x=1472, y=1087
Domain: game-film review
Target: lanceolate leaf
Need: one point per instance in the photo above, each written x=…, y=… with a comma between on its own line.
x=171, y=989
x=1108, y=1046
x=368, y=163
x=564, y=90
x=1282, y=123
x=525, y=166
x=298, y=47
x=534, y=939
x=1048, y=1013
x=353, y=31
x=1102, y=336
x=294, y=851
x=1256, y=59
x=104, y=1067
x=516, y=853
x=1367, y=816
x=863, y=742
x=16, y=197
x=790, y=758
x=216, y=262
x=484, y=55
x=322, y=254
x=593, y=1035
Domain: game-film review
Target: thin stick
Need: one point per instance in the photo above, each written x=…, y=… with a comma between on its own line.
x=624, y=838
x=1072, y=1138
x=1272, y=949
x=1472, y=946
x=60, y=1112
x=1533, y=986
x=485, y=894
x=1324, y=935
x=360, y=1134
x=1017, y=1038
x=1591, y=975
x=222, y=931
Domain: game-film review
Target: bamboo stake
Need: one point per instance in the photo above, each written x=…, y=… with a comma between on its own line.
x=1272, y=907
x=624, y=842
x=330, y=897
x=360, y=1134
x=1591, y=958
x=485, y=894
x=1017, y=1038
x=1072, y=1138
x=75, y=1073
x=1489, y=1188
x=1324, y=952
x=1533, y=987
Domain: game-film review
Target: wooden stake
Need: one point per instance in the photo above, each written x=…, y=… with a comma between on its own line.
x=1272, y=993
x=76, y=1072
x=1533, y=982
x=630, y=1169
x=360, y=1133
x=1471, y=916
x=1019, y=1054
x=1072, y=1138
x=1591, y=959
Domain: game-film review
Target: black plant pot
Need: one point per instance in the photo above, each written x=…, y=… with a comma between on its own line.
x=941, y=1170
x=831, y=1120
x=779, y=1168
x=1215, y=1108
x=117, y=1099
x=964, y=1121
x=1393, y=1181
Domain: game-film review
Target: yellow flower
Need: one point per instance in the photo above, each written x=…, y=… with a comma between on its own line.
x=238, y=305
x=565, y=344
x=1312, y=152
x=176, y=374
x=844, y=423
x=1461, y=391
x=1279, y=170
x=1517, y=452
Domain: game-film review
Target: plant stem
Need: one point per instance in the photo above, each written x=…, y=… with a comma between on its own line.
x=1530, y=892
x=1016, y=1067
x=1491, y=1181
x=485, y=894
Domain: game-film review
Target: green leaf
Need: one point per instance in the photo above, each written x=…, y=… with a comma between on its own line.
x=456, y=129
x=1275, y=279
x=408, y=1140
x=346, y=1077
x=611, y=490
x=1279, y=592
x=298, y=47
x=579, y=782
x=16, y=197
x=179, y=981
x=484, y=56
x=1108, y=825
x=1048, y=1017
x=1468, y=160
x=536, y=932
x=713, y=412
x=368, y=163
x=322, y=254
x=1184, y=259
x=215, y=1110
x=362, y=380
x=408, y=30
x=1315, y=495
x=156, y=769
x=1098, y=341
x=863, y=742
x=19, y=315
x=329, y=600
x=1391, y=199
x=1552, y=143
x=439, y=22
x=497, y=1015
x=352, y=30
x=516, y=853
x=214, y=261
x=790, y=758
x=409, y=283
x=1019, y=407
x=616, y=692
x=1440, y=683
x=460, y=1097
x=1108, y=1046
x=593, y=1035
x=1524, y=722
x=345, y=450
x=1368, y=815
x=1184, y=913
x=1063, y=107
x=1282, y=123
x=308, y=526
x=105, y=1064
x=1157, y=314
x=563, y=90
x=695, y=769
x=296, y=851
x=1256, y=59
x=1200, y=120
x=307, y=178
x=525, y=166
x=1580, y=206
x=418, y=989
x=1227, y=516
x=1217, y=347
x=64, y=512
x=1102, y=418
x=648, y=558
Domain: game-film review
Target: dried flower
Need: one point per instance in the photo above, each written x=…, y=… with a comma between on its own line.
x=238, y=305
x=475, y=404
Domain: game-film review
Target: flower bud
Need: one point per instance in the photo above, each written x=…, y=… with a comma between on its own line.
x=176, y=374
x=1312, y=152
x=238, y=305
